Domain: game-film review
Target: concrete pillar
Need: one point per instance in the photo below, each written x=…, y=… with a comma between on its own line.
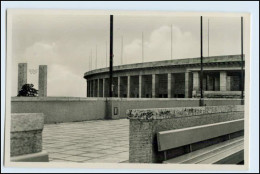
x=93, y=87
x=140, y=86
x=90, y=88
x=128, y=86
x=118, y=84
x=87, y=88
x=104, y=82
x=187, y=84
x=169, y=85
x=98, y=88
x=42, y=81
x=196, y=81
x=22, y=75
x=153, y=85
x=228, y=83
x=223, y=80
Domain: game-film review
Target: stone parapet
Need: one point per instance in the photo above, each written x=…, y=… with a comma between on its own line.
x=26, y=137
x=146, y=123
x=166, y=113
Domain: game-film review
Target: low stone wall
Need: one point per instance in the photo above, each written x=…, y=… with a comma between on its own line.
x=61, y=109
x=26, y=137
x=121, y=105
x=70, y=109
x=145, y=123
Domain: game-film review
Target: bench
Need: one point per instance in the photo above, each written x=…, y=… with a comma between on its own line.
x=219, y=143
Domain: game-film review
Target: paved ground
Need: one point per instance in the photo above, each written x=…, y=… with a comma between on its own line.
x=88, y=141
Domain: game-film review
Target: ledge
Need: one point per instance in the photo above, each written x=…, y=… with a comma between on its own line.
x=21, y=122
x=167, y=113
x=35, y=99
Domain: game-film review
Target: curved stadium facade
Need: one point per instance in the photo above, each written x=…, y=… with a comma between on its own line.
x=178, y=78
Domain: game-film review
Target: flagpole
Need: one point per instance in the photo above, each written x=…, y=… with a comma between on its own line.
x=201, y=62
x=242, y=64
x=121, y=50
x=142, y=46
x=111, y=58
x=208, y=37
x=171, y=41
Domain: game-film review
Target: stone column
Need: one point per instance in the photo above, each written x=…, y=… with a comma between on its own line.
x=223, y=80
x=42, y=81
x=93, y=87
x=228, y=83
x=22, y=75
x=128, y=86
x=90, y=88
x=154, y=86
x=169, y=85
x=87, y=88
x=98, y=88
x=140, y=86
x=118, y=84
x=104, y=82
x=187, y=84
x=196, y=81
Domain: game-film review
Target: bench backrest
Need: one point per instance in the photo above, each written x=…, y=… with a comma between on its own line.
x=180, y=137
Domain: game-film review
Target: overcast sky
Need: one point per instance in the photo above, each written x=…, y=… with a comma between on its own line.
x=65, y=44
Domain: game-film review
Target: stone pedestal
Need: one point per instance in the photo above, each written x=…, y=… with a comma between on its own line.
x=22, y=75
x=26, y=137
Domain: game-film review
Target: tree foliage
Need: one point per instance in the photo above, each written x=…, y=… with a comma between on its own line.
x=28, y=91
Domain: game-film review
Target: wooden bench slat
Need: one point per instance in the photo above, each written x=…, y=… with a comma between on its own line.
x=180, y=137
x=216, y=152
x=198, y=153
x=225, y=155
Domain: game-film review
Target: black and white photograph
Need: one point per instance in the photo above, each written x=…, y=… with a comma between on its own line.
x=93, y=87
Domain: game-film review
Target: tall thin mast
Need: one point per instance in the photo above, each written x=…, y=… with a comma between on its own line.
x=208, y=37
x=171, y=42
x=122, y=50
x=142, y=46
x=111, y=58
x=201, y=62
x=96, y=56
x=242, y=64
x=106, y=53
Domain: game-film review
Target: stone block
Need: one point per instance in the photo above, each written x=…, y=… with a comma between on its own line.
x=26, y=136
x=145, y=123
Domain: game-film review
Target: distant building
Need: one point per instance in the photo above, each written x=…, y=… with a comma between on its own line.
x=178, y=78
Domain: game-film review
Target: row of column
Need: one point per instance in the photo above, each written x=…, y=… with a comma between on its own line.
x=142, y=86
x=223, y=79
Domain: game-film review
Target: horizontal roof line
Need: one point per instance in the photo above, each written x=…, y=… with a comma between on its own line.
x=175, y=62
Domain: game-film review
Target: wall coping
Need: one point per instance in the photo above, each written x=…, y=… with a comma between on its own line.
x=55, y=99
x=21, y=122
x=178, y=112
x=29, y=99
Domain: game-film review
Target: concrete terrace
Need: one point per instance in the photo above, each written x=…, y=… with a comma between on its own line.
x=88, y=141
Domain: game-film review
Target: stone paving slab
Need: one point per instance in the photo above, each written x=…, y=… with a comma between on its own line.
x=104, y=141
